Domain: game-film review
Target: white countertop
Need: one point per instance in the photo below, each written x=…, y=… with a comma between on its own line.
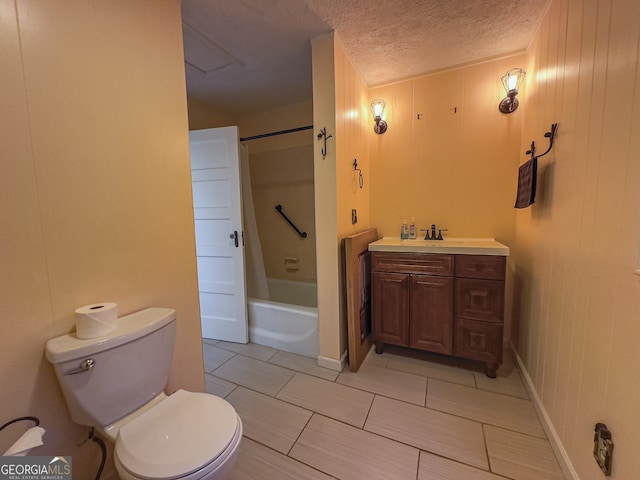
x=459, y=246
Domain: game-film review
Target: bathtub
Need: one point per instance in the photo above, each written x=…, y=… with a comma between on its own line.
x=289, y=322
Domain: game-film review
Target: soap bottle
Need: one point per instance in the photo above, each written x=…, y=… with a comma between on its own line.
x=404, y=230
x=412, y=229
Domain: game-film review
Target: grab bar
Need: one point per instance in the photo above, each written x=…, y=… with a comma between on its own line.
x=279, y=209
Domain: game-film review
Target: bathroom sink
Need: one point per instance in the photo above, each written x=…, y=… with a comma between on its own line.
x=459, y=246
x=434, y=243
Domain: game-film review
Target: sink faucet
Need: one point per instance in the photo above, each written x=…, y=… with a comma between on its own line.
x=433, y=233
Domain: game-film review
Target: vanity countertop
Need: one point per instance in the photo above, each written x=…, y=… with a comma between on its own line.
x=459, y=246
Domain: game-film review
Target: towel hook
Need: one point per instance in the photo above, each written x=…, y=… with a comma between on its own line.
x=355, y=168
x=323, y=133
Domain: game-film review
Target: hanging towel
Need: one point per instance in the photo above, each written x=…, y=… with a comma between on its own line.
x=527, y=177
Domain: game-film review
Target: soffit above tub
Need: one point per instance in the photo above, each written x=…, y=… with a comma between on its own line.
x=251, y=55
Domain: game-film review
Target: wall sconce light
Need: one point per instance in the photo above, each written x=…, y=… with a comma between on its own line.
x=512, y=80
x=377, y=109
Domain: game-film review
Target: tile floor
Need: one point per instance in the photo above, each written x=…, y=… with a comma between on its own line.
x=399, y=417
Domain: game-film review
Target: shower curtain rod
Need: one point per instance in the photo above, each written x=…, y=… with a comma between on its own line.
x=281, y=132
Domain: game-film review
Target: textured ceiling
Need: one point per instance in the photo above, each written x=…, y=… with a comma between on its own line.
x=251, y=55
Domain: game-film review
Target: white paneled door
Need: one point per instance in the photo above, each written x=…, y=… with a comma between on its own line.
x=215, y=173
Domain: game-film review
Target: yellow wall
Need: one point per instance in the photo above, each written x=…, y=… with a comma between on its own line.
x=202, y=115
x=95, y=191
x=456, y=165
x=577, y=247
x=324, y=174
x=351, y=100
x=339, y=99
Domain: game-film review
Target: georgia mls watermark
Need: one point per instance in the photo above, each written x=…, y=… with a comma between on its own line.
x=35, y=468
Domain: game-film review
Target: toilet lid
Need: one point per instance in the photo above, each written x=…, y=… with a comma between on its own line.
x=180, y=435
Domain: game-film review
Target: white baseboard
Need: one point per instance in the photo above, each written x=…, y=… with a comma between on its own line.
x=332, y=363
x=556, y=444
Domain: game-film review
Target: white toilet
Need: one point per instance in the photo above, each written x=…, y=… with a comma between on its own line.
x=115, y=383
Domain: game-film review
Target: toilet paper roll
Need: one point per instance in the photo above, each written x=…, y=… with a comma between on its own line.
x=30, y=439
x=96, y=320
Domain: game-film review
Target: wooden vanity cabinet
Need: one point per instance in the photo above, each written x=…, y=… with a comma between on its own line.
x=451, y=304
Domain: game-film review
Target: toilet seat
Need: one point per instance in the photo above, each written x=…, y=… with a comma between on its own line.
x=185, y=436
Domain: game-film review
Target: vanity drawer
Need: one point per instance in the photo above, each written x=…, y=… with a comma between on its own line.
x=491, y=267
x=424, y=263
x=479, y=299
x=478, y=340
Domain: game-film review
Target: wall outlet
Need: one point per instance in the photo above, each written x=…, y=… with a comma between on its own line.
x=603, y=448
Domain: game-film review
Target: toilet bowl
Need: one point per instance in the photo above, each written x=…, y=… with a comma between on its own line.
x=115, y=384
x=185, y=436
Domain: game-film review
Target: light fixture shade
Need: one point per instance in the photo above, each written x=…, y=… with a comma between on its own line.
x=512, y=80
x=377, y=110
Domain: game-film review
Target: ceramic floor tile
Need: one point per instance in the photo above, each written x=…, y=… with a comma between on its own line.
x=271, y=422
x=253, y=350
x=303, y=364
x=217, y=386
x=254, y=374
x=447, y=435
x=433, y=467
x=390, y=383
x=210, y=341
x=375, y=359
x=340, y=402
x=431, y=370
x=214, y=357
x=519, y=456
x=507, y=383
x=257, y=462
x=349, y=453
x=487, y=407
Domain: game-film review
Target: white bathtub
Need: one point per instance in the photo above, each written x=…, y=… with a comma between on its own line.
x=291, y=322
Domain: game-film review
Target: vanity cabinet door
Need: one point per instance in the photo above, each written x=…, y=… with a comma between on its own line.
x=390, y=308
x=431, y=313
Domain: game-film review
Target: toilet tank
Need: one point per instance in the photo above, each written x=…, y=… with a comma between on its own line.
x=130, y=366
